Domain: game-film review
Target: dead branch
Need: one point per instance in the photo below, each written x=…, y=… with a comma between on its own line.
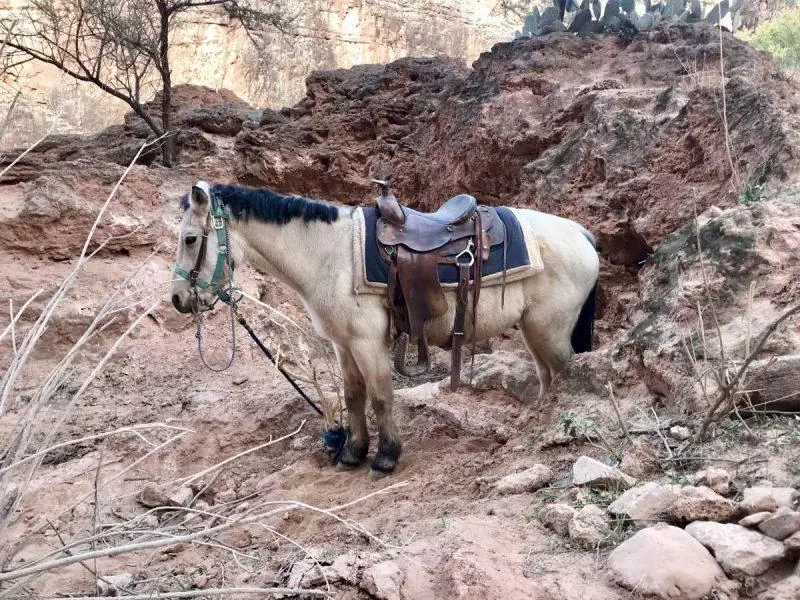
x=618, y=413
x=728, y=392
x=218, y=592
x=38, y=567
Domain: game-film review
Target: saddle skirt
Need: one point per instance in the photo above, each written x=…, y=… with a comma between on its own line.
x=371, y=272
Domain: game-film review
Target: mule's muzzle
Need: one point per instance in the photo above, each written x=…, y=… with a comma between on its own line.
x=180, y=306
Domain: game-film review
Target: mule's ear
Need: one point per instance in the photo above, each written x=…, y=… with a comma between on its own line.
x=200, y=198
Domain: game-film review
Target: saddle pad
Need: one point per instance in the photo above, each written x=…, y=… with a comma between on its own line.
x=371, y=272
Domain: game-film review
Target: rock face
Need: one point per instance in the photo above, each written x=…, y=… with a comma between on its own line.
x=741, y=552
x=665, y=562
x=344, y=34
x=590, y=472
x=529, y=480
x=701, y=504
x=645, y=504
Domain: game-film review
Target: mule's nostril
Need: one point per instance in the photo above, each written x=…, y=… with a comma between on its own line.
x=176, y=301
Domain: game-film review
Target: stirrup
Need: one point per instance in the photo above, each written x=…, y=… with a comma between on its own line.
x=401, y=350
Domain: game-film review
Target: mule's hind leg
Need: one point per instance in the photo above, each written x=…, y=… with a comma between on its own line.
x=355, y=396
x=542, y=368
x=549, y=344
x=373, y=362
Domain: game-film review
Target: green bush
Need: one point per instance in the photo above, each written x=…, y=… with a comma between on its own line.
x=781, y=38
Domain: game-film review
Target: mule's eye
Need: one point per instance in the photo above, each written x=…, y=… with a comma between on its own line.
x=190, y=239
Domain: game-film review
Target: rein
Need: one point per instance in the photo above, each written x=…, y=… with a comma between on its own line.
x=218, y=218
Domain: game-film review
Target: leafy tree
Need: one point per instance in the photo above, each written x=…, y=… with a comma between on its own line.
x=123, y=46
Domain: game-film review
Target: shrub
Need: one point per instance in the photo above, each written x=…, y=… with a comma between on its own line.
x=781, y=38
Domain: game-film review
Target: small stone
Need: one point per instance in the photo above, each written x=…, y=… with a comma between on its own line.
x=645, y=504
x=529, y=480
x=240, y=381
x=590, y=472
x=717, y=479
x=589, y=527
x=755, y=519
x=781, y=525
x=741, y=552
x=109, y=585
x=665, y=562
x=225, y=497
x=383, y=581
x=701, y=504
x=793, y=541
x=557, y=517
x=149, y=521
x=639, y=459
x=152, y=497
x=183, y=497
x=679, y=432
x=760, y=499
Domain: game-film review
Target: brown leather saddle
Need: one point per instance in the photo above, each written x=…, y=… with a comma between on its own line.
x=414, y=243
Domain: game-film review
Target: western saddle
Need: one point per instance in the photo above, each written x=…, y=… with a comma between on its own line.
x=415, y=244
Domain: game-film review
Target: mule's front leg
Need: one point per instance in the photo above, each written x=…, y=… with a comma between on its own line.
x=356, y=447
x=373, y=362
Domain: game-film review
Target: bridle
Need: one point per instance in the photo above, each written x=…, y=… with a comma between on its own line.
x=217, y=219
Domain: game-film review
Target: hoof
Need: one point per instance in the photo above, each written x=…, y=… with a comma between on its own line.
x=383, y=463
x=353, y=454
x=344, y=468
x=374, y=475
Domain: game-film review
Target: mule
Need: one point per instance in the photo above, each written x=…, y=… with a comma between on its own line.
x=309, y=246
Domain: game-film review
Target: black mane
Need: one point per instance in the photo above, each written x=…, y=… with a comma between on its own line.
x=268, y=206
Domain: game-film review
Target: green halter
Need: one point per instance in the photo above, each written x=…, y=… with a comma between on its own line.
x=218, y=218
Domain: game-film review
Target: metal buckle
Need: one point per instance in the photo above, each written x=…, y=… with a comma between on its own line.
x=219, y=222
x=468, y=252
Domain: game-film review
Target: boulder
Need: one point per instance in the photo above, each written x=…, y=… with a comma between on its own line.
x=760, y=499
x=529, y=480
x=717, y=479
x=665, y=562
x=645, y=504
x=755, y=519
x=701, y=504
x=557, y=517
x=741, y=552
x=590, y=472
x=589, y=527
x=781, y=525
x=785, y=589
x=793, y=541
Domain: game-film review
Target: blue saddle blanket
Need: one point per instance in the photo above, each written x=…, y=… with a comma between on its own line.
x=377, y=269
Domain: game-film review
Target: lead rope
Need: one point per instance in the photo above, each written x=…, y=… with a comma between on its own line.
x=198, y=315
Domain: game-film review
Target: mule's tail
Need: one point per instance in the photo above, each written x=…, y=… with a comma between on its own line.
x=584, y=328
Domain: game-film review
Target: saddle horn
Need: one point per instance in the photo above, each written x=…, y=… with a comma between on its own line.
x=388, y=205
